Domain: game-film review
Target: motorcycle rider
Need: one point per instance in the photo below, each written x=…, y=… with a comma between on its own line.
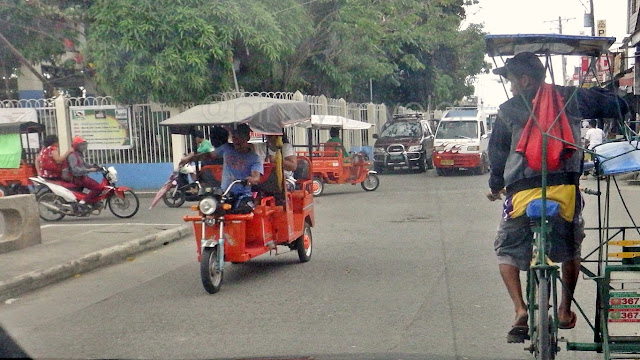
x=240, y=162
x=78, y=171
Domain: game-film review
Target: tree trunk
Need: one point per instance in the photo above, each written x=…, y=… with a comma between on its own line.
x=26, y=63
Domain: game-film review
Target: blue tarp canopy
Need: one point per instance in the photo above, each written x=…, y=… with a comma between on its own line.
x=618, y=157
x=553, y=44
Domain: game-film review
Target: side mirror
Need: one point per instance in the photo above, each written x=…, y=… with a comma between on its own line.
x=375, y=136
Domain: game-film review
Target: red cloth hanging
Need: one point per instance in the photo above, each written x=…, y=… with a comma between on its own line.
x=547, y=104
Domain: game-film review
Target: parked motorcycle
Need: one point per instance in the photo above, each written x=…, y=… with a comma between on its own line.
x=57, y=199
x=179, y=188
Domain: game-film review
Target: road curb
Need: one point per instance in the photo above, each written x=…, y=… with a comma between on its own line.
x=115, y=254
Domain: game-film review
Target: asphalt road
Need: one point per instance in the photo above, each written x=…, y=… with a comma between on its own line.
x=405, y=272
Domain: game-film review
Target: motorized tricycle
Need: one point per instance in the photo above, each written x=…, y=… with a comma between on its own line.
x=330, y=166
x=616, y=272
x=57, y=198
x=281, y=217
x=17, y=158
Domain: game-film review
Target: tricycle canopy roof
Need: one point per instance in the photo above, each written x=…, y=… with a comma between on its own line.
x=264, y=115
x=21, y=127
x=552, y=44
x=329, y=121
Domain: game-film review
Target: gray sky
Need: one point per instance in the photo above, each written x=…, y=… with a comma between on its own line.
x=541, y=16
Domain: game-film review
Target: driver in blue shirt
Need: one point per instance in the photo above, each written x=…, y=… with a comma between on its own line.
x=239, y=163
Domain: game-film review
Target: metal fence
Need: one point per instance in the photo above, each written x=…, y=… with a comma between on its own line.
x=152, y=143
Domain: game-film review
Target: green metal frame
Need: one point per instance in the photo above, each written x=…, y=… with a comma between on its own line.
x=540, y=267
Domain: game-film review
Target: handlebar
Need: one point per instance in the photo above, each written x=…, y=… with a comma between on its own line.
x=241, y=182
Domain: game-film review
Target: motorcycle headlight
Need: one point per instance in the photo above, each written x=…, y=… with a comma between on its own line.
x=415, y=148
x=208, y=205
x=473, y=148
x=378, y=150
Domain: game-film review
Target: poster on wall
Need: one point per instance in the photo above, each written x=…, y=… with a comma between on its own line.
x=102, y=127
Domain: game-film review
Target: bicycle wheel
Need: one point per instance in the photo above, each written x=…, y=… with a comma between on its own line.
x=544, y=337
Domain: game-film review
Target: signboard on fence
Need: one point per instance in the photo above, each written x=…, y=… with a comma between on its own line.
x=102, y=127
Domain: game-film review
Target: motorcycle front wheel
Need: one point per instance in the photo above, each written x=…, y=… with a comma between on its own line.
x=174, y=200
x=47, y=203
x=210, y=272
x=124, y=207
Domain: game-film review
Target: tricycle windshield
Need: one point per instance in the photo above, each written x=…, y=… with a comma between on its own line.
x=399, y=129
x=457, y=130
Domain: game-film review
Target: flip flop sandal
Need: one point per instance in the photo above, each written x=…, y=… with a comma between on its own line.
x=518, y=334
x=570, y=324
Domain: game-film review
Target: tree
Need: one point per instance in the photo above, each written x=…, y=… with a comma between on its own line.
x=39, y=32
x=186, y=50
x=178, y=51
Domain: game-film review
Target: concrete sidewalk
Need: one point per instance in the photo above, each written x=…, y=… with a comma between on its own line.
x=69, y=248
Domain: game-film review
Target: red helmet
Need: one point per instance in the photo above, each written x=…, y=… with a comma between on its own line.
x=77, y=140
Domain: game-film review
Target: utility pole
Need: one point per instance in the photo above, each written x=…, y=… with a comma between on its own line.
x=593, y=21
x=564, y=59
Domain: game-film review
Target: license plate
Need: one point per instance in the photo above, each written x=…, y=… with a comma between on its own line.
x=446, y=162
x=396, y=158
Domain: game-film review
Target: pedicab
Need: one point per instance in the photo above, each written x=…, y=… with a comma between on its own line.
x=19, y=142
x=330, y=166
x=283, y=216
x=616, y=322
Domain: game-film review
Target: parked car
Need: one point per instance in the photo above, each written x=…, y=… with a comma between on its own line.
x=461, y=141
x=404, y=142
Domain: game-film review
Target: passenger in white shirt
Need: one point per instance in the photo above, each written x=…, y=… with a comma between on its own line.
x=267, y=151
x=594, y=136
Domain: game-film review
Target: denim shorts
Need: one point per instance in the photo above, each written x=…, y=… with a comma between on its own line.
x=514, y=240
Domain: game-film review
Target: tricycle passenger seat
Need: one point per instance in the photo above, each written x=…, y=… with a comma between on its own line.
x=268, y=185
x=534, y=208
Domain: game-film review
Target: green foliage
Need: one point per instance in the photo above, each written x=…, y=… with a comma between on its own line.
x=182, y=51
x=41, y=31
x=177, y=51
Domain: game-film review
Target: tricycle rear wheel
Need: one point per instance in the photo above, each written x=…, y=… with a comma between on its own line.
x=304, y=244
x=371, y=182
x=317, y=186
x=210, y=272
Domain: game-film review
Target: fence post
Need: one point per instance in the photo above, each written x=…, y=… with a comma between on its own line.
x=177, y=141
x=342, y=107
x=62, y=123
x=382, y=114
x=372, y=119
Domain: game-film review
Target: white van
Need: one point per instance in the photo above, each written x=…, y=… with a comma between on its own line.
x=461, y=141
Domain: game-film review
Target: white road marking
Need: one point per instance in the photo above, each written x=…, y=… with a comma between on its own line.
x=118, y=224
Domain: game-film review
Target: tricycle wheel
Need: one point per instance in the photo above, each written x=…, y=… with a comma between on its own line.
x=47, y=203
x=124, y=207
x=371, y=182
x=544, y=333
x=174, y=200
x=317, y=186
x=304, y=244
x=210, y=272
